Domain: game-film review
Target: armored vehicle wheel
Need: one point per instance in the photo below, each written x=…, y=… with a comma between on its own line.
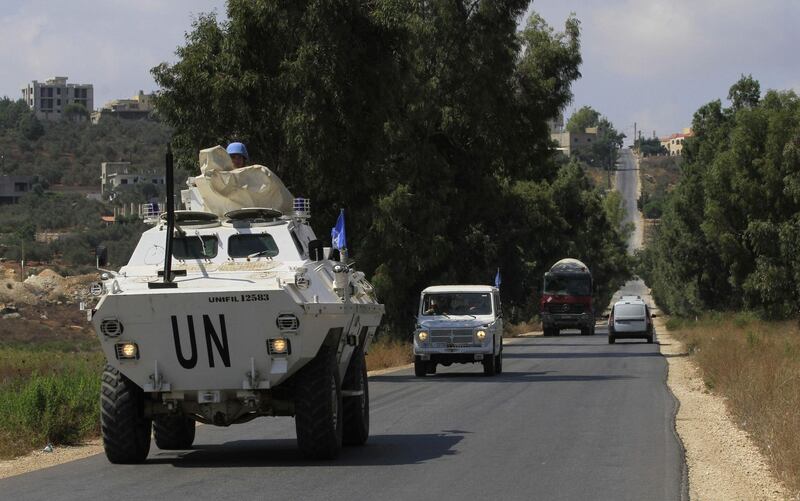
x=611, y=340
x=489, y=368
x=650, y=339
x=430, y=368
x=420, y=368
x=356, y=408
x=173, y=432
x=318, y=407
x=126, y=432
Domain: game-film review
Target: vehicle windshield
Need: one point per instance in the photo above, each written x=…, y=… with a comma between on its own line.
x=194, y=247
x=457, y=303
x=252, y=245
x=568, y=285
x=629, y=311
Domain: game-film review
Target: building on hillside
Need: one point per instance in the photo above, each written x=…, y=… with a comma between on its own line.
x=556, y=124
x=569, y=142
x=13, y=187
x=49, y=99
x=674, y=142
x=117, y=174
x=138, y=107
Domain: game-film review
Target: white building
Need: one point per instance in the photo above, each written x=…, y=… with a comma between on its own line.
x=50, y=98
x=116, y=174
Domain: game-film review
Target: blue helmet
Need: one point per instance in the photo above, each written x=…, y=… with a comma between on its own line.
x=238, y=149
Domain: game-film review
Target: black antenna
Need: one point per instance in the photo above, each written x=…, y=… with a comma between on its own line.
x=168, y=276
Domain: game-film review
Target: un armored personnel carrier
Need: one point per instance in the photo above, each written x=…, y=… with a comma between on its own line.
x=222, y=318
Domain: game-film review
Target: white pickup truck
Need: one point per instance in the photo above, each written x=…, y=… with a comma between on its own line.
x=459, y=324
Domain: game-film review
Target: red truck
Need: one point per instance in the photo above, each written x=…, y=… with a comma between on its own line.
x=566, y=301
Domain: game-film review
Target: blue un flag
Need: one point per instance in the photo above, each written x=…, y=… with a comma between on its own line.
x=338, y=237
x=497, y=279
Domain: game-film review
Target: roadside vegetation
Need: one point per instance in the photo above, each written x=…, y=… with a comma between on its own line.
x=755, y=365
x=729, y=236
x=425, y=121
x=659, y=175
x=49, y=382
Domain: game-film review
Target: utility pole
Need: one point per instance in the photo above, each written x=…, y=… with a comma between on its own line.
x=634, y=133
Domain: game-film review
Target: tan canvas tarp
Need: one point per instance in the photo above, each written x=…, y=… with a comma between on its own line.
x=224, y=188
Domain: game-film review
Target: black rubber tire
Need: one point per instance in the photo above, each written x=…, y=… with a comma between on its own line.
x=173, y=432
x=611, y=340
x=489, y=369
x=548, y=331
x=355, y=410
x=430, y=368
x=585, y=331
x=420, y=368
x=556, y=332
x=498, y=362
x=126, y=432
x=649, y=339
x=318, y=407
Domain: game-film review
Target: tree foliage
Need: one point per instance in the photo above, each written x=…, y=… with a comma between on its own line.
x=730, y=232
x=425, y=120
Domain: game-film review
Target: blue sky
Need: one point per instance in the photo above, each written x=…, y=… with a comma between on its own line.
x=652, y=62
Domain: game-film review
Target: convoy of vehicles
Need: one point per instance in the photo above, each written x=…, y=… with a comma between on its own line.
x=566, y=301
x=630, y=317
x=459, y=324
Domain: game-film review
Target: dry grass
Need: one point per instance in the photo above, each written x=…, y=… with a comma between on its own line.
x=515, y=330
x=755, y=365
x=388, y=353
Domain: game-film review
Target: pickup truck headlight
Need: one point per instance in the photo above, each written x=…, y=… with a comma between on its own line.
x=422, y=336
x=481, y=335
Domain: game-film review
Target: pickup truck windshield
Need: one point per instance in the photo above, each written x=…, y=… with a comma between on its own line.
x=568, y=285
x=457, y=303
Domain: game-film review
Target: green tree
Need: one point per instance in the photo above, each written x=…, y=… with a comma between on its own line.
x=583, y=119
x=425, y=120
x=728, y=235
x=745, y=93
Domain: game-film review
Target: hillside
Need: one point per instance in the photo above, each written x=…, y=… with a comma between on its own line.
x=70, y=153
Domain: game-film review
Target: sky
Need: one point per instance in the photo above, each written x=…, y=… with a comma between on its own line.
x=649, y=62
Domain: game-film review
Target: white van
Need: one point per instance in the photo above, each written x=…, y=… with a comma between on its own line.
x=630, y=318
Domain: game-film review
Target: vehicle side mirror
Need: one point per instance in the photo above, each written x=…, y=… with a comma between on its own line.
x=315, y=250
x=101, y=253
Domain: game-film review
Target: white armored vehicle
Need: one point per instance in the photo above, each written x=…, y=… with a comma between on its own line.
x=222, y=318
x=459, y=324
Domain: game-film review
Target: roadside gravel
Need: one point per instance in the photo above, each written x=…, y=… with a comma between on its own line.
x=723, y=462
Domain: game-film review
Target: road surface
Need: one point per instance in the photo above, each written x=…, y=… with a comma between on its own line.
x=626, y=181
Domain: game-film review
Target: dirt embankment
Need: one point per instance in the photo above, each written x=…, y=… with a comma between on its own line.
x=723, y=461
x=42, y=289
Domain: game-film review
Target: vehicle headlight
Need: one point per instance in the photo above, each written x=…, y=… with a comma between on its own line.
x=481, y=334
x=279, y=346
x=126, y=351
x=422, y=336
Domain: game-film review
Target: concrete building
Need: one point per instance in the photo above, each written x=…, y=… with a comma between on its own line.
x=674, y=142
x=13, y=187
x=136, y=108
x=569, y=142
x=50, y=98
x=116, y=174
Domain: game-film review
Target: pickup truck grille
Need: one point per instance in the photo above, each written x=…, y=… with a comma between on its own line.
x=566, y=308
x=452, y=336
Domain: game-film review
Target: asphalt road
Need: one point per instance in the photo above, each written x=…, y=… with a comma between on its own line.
x=627, y=183
x=570, y=418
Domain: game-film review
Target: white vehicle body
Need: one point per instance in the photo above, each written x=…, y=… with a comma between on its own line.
x=468, y=330
x=252, y=304
x=630, y=317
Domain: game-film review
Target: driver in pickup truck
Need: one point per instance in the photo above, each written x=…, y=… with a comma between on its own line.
x=433, y=308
